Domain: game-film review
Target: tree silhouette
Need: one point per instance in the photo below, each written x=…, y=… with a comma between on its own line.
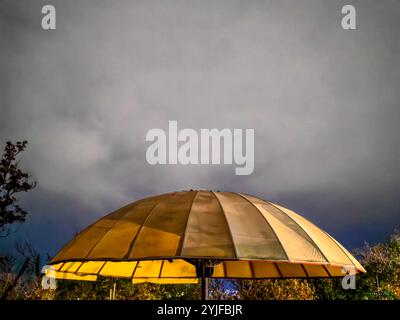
x=12, y=181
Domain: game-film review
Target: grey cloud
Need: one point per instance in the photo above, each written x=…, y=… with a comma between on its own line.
x=324, y=102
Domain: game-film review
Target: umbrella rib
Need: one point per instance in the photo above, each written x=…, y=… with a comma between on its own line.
x=98, y=272
x=134, y=270
x=265, y=219
x=312, y=240
x=315, y=244
x=109, y=230
x=279, y=270
x=336, y=243
x=224, y=269
x=251, y=269
x=227, y=223
x=144, y=222
x=305, y=271
x=186, y=226
x=81, y=263
x=161, y=267
x=327, y=271
x=80, y=234
x=62, y=265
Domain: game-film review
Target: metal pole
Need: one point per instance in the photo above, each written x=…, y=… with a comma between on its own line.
x=114, y=289
x=204, y=288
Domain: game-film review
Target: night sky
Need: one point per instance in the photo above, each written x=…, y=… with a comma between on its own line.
x=324, y=103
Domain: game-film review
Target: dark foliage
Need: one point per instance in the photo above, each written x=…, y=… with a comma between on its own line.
x=13, y=180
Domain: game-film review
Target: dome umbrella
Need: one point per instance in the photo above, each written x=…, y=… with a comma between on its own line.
x=183, y=236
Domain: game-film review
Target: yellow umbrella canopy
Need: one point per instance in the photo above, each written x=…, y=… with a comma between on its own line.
x=181, y=236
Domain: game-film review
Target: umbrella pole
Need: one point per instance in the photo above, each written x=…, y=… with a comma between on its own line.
x=203, y=272
x=204, y=288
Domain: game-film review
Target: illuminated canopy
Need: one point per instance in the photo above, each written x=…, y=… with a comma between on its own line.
x=178, y=237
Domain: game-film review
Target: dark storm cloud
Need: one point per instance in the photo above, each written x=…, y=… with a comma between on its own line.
x=324, y=103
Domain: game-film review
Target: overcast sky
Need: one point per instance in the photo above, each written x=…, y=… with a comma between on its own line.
x=324, y=103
